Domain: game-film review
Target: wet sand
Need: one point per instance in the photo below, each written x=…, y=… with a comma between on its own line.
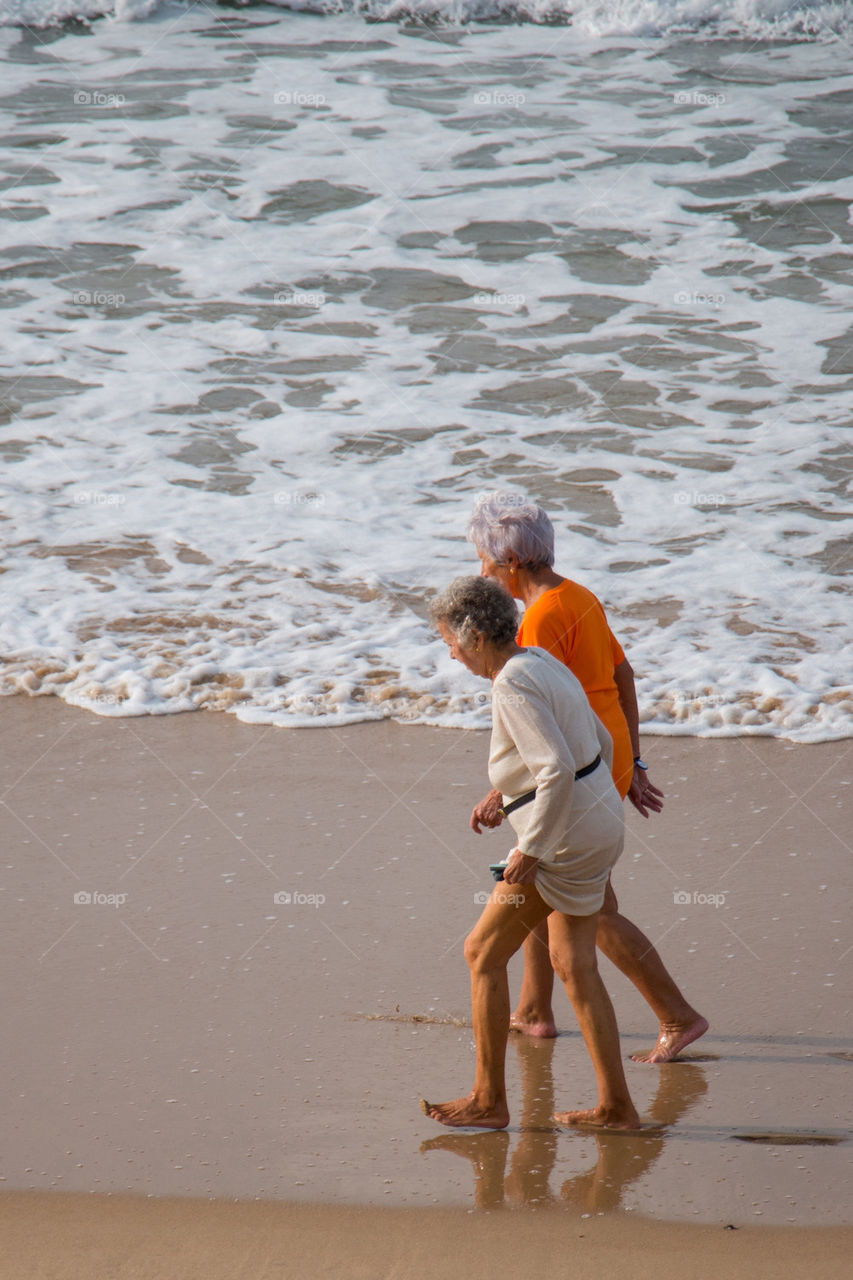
x=180, y=1032
x=125, y=1238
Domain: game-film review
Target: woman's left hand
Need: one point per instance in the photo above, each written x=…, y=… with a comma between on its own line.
x=521, y=868
x=643, y=794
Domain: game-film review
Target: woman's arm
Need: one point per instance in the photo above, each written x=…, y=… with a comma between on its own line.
x=523, y=717
x=488, y=812
x=643, y=794
x=624, y=677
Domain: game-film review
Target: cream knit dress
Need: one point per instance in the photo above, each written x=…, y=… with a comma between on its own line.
x=543, y=731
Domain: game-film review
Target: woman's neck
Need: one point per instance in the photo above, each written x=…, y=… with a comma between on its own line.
x=533, y=583
x=498, y=658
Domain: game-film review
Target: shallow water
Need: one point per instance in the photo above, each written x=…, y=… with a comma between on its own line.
x=283, y=292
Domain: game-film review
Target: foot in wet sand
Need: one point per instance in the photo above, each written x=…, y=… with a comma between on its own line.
x=674, y=1036
x=544, y=1030
x=467, y=1113
x=625, y=1119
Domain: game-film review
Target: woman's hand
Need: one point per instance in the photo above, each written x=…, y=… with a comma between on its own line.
x=643, y=794
x=488, y=812
x=520, y=869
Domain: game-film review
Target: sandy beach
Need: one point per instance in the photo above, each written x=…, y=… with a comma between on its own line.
x=235, y=959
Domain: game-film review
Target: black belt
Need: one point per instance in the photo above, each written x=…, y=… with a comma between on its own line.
x=507, y=809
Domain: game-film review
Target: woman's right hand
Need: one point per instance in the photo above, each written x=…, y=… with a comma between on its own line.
x=520, y=868
x=488, y=812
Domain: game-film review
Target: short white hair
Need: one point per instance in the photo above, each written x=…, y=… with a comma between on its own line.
x=504, y=521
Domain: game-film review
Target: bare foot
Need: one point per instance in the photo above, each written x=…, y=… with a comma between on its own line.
x=545, y=1030
x=467, y=1112
x=674, y=1036
x=623, y=1118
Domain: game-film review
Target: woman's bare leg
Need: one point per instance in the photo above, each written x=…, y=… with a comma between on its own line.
x=534, y=1015
x=574, y=959
x=629, y=949
x=507, y=919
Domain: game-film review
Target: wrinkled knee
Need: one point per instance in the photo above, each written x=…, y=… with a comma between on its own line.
x=474, y=951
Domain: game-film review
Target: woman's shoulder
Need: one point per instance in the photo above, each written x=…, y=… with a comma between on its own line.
x=533, y=667
x=571, y=595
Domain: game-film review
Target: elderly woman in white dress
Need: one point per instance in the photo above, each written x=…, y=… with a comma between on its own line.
x=545, y=738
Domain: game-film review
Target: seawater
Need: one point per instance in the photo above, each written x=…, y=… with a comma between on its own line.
x=284, y=290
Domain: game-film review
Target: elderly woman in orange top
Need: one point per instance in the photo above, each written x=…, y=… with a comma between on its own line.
x=515, y=542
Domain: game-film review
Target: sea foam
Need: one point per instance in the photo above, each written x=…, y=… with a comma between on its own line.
x=278, y=307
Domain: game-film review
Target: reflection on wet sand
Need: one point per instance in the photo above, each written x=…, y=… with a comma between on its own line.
x=623, y=1158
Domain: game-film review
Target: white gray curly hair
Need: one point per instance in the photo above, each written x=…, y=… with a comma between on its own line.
x=472, y=605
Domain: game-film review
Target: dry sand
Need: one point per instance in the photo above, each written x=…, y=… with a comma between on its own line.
x=184, y=1035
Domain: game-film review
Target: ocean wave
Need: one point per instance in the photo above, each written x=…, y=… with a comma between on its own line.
x=279, y=306
x=711, y=19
